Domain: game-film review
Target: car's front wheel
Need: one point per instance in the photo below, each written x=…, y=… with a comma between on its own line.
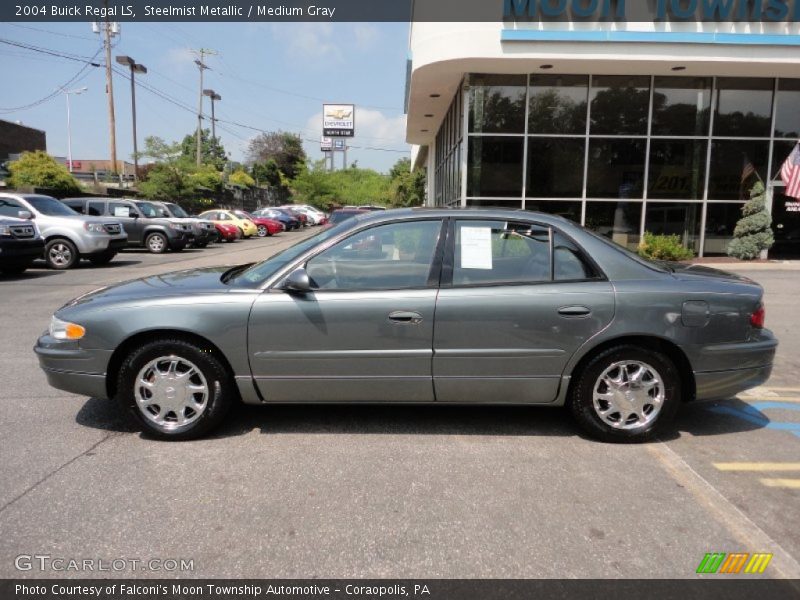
x=156, y=243
x=263, y=231
x=61, y=254
x=177, y=390
x=626, y=394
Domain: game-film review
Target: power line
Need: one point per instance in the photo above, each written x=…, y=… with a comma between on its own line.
x=67, y=35
x=67, y=56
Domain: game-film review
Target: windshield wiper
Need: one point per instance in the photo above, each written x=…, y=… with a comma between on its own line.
x=228, y=275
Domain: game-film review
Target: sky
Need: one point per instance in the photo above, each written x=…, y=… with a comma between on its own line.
x=270, y=76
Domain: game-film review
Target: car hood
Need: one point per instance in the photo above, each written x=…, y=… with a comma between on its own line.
x=684, y=271
x=190, y=283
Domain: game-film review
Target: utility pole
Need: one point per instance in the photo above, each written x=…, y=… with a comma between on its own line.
x=135, y=68
x=202, y=66
x=214, y=96
x=110, y=29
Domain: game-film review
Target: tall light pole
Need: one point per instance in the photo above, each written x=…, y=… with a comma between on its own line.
x=67, y=93
x=202, y=66
x=135, y=68
x=214, y=96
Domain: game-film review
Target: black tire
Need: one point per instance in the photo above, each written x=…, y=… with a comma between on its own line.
x=156, y=243
x=61, y=254
x=221, y=387
x=201, y=244
x=581, y=404
x=263, y=231
x=102, y=259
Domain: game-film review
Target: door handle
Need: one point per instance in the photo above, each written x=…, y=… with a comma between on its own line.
x=404, y=317
x=574, y=311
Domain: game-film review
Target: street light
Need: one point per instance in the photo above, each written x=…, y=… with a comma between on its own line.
x=214, y=96
x=67, y=93
x=135, y=68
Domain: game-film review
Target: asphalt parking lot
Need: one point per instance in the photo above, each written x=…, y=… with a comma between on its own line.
x=308, y=491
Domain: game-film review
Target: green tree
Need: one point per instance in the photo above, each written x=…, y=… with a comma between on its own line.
x=284, y=148
x=313, y=185
x=39, y=169
x=267, y=174
x=753, y=232
x=239, y=177
x=212, y=152
x=407, y=188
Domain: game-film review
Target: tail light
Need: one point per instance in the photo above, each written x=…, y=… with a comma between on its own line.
x=758, y=317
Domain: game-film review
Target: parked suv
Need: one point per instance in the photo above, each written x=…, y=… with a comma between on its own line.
x=68, y=236
x=20, y=244
x=146, y=229
x=203, y=230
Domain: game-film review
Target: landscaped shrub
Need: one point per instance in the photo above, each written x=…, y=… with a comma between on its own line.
x=663, y=247
x=753, y=232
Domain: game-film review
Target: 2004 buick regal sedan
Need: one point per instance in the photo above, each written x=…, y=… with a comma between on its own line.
x=420, y=306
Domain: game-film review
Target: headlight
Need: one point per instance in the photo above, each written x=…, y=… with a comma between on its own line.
x=63, y=330
x=175, y=226
x=5, y=230
x=94, y=227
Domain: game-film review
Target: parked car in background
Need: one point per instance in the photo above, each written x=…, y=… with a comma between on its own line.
x=315, y=216
x=245, y=225
x=297, y=214
x=202, y=229
x=264, y=225
x=20, y=244
x=146, y=228
x=342, y=214
x=420, y=306
x=68, y=236
x=227, y=232
x=284, y=217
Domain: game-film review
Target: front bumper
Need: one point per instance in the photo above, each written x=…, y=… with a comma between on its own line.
x=71, y=368
x=20, y=252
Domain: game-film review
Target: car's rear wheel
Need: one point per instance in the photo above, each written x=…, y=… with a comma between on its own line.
x=626, y=394
x=156, y=243
x=60, y=254
x=176, y=390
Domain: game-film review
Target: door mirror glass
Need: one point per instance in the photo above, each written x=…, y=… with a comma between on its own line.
x=25, y=214
x=298, y=281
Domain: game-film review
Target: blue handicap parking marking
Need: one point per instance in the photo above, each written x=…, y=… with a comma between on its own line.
x=754, y=413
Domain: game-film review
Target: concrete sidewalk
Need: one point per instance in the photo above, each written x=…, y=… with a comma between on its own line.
x=772, y=265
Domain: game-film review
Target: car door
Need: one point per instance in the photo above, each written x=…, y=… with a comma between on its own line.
x=126, y=214
x=517, y=300
x=365, y=332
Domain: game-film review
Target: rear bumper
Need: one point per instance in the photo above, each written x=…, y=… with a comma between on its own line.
x=720, y=385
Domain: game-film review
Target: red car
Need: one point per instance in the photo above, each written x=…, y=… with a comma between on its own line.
x=266, y=227
x=227, y=232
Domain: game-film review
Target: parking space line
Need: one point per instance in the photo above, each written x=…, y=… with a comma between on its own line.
x=793, y=484
x=757, y=466
x=738, y=524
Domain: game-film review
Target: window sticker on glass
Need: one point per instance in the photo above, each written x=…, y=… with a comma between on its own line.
x=121, y=211
x=476, y=248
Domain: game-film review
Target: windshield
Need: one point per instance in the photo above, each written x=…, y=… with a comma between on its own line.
x=241, y=214
x=147, y=210
x=177, y=211
x=50, y=206
x=260, y=272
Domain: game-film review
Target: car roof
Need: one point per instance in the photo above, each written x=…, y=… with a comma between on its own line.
x=437, y=212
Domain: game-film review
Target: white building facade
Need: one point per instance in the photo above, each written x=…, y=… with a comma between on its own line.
x=625, y=127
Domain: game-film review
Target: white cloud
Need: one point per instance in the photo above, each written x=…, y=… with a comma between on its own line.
x=313, y=41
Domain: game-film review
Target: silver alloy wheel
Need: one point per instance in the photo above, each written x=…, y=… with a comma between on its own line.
x=628, y=395
x=171, y=392
x=155, y=243
x=60, y=254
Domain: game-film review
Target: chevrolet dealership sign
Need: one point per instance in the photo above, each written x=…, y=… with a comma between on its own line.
x=338, y=120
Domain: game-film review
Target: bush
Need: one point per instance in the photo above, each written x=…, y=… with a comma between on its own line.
x=39, y=169
x=753, y=232
x=663, y=247
x=239, y=177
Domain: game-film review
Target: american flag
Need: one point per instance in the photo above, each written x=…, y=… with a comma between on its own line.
x=790, y=173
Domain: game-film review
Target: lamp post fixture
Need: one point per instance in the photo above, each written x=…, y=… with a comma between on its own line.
x=67, y=93
x=214, y=96
x=135, y=68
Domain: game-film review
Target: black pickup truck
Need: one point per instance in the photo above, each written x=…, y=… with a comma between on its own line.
x=20, y=245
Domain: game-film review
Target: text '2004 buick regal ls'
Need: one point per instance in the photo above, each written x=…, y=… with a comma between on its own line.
x=420, y=306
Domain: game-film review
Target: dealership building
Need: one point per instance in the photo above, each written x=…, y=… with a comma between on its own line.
x=626, y=127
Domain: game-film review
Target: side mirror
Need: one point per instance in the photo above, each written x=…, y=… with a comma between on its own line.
x=25, y=214
x=298, y=281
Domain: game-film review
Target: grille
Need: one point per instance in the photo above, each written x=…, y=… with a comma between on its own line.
x=22, y=231
x=112, y=228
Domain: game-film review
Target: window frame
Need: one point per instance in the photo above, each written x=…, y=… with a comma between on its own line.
x=448, y=262
x=434, y=273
